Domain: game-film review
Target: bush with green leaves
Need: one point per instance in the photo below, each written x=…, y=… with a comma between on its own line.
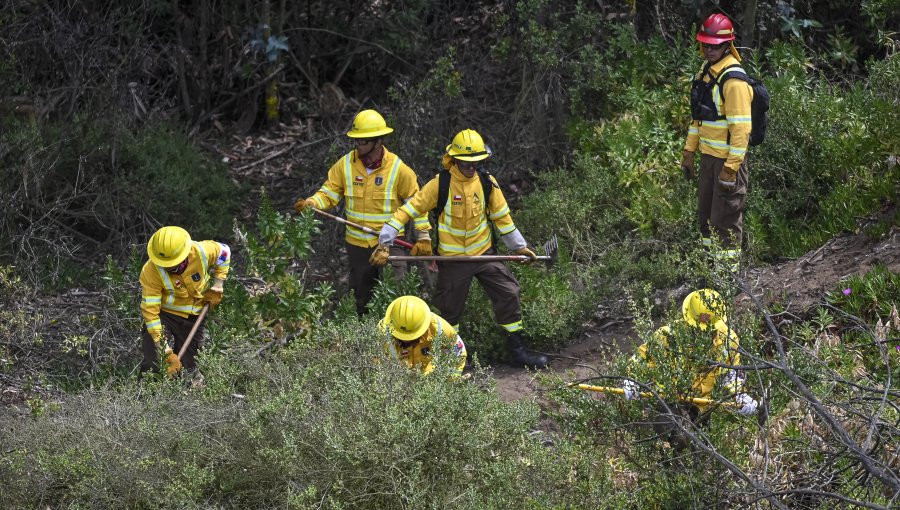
x=75, y=189
x=276, y=301
x=337, y=424
x=825, y=433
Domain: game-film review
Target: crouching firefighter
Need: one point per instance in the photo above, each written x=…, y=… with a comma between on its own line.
x=703, y=318
x=412, y=331
x=175, y=286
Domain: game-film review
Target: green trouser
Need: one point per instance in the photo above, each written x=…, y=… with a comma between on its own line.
x=720, y=213
x=363, y=275
x=180, y=327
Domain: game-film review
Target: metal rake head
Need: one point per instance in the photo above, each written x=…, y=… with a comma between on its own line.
x=551, y=249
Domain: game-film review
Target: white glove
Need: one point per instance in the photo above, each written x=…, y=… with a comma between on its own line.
x=632, y=390
x=748, y=404
x=387, y=235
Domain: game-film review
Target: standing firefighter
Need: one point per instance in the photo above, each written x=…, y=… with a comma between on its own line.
x=374, y=182
x=720, y=128
x=175, y=285
x=411, y=330
x=703, y=314
x=472, y=200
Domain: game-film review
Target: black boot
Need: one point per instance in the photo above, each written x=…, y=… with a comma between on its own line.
x=519, y=357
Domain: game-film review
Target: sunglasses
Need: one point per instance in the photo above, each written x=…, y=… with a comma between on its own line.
x=363, y=141
x=714, y=46
x=465, y=165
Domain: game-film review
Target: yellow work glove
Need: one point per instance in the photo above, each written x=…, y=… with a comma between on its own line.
x=379, y=257
x=173, y=364
x=213, y=297
x=422, y=247
x=528, y=253
x=300, y=205
x=687, y=165
x=727, y=179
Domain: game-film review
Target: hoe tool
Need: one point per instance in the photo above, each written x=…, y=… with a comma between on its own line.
x=551, y=249
x=398, y=242
x=646, y=394
x=187, y=341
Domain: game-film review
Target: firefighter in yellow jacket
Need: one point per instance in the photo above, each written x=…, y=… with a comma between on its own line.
x=181, y=277
x=473, y=202
x=703, y=313
x=373, y=182
x=722, y=139
x=411, y=329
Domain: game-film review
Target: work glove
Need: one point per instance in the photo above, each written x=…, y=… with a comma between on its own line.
x=727, y=179
x=748, y=404
x=300, y=205
x=528, y=253
x=379, y=257
x=213, y=297
x=422, y=247
x=387, y=235
x=173, y=364
x=632, y=390
x=687, y=165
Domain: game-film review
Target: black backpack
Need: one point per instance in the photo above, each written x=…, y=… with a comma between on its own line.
x=487, y=185
x=703, y=107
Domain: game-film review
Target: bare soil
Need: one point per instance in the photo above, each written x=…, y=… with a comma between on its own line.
x=799, y=284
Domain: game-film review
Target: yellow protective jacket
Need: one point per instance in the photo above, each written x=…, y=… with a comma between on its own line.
x=726, y=139
x=419, y=354
x=182, y=294
x=463, y=228
x=371, y=199
x=724, y=349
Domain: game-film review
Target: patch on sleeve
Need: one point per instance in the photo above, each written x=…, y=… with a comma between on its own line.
x=225, y=253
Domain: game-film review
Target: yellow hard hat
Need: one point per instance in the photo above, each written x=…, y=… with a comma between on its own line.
x=703, y=301
x=408, y=317
x=169, y=246
x=468, y=145
x=368, y=124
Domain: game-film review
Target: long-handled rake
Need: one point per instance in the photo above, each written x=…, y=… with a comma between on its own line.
x=551, y=251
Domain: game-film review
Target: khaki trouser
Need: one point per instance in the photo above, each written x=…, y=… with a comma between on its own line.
x=501, y=287
x=180, y=327
x=721, y=213
x=363, y=275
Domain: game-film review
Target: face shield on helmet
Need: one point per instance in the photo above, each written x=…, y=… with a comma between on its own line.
x=703, y=308
x=169, y=247
x=407, y=318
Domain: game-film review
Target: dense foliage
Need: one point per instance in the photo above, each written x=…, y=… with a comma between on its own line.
x=107, y=120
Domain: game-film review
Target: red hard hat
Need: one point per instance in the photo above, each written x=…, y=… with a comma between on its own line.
x=716, y=29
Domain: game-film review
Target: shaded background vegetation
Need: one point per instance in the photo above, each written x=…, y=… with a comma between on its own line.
x=114, y=118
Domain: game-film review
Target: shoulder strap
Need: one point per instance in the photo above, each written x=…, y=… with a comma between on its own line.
x=728, y=73
x=486, y=187
x=443, y=190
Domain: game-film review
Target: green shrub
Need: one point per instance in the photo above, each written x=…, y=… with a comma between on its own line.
x=336, y=424
x=74, y=188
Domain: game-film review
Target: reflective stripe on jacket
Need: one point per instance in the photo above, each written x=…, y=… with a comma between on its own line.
x=419, y=354
x=181, y=294
x=463, y=228
x=723, y=350
x=727, y=138
x=370, y=199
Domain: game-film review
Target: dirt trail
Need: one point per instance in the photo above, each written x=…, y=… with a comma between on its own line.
x=801, y=283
